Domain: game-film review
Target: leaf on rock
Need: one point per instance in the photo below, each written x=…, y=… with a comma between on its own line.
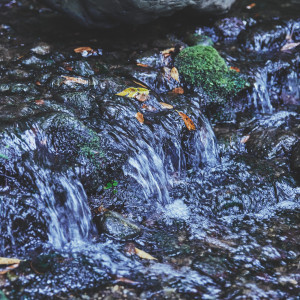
x=134, y=93
x=83, y=49
x=148, y=108
x=235, y=69
x=140, y=84
x=245, y=139
x=9, y=268
x=39, y=102
x=9, y=261
x=250, y=6
x=142, y=97
x=187, y=121
x=166, y=105
x=126, y=280
x=166, y=53
x=289, y=46
x=143, y=254
x=69, y=80
x=142, y=65
x=178, y=90
x=140, y=117
x=175, y=74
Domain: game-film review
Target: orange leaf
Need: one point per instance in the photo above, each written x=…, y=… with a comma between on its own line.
x=37, y=83
x=166, y=105
x=143, y=254
x=178, y=90
x=175, y=74
x=251, y=5
x=140, y=117
x=82, y=49
x=235, y=69
x=74, y=80
x=166, y=53
x=101, y=209
x=245, y=139
x=9, y=268
x=187, y=121
x=126, y=280
x=148, y=108
x=142, y=65
x=39, y=102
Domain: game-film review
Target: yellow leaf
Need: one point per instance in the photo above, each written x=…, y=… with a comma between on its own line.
x=143, y=254
x=9, y=261
x=167, y=52
x=140, y=94
x=166, y=105
x=175, y=74
x=187, y=121
x=69, y=80
x=140, y=84
x=140, y=117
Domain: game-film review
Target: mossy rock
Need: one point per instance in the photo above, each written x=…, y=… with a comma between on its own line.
x=203, y=66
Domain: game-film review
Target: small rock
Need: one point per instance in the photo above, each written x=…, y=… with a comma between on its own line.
x=41, y=49
x=117, y=226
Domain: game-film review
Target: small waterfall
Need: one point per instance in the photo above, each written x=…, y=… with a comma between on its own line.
x=261, y=96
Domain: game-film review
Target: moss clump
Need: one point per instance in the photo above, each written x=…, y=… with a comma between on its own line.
x=203, y=66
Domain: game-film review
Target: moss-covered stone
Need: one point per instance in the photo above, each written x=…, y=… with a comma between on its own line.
x=203, y=66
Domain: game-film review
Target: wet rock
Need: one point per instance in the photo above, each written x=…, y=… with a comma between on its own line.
x=110, y=14
x=83, y=68
x=295, y=160
x=117, y=226
x=231, y=27
x=19, y=74
x=36, y=62
x=41, y=49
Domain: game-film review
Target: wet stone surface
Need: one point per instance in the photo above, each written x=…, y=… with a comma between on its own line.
x=84, y=182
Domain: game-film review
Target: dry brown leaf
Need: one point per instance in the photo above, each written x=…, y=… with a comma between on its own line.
x=142, y=65
x=82, y=49
x=70, y=80
x=166, y=53
x=178, y=90
x=245, y=139
x=38, y=83
x=126, y=280
x=130, y=248
x=9, y=261
x=187, y=121
x=9, y=268
x=175, y=74
x=39, y=102
x=166, y=105
x=289, y=46
x=101, y=209
x=235, y=69
x=143, y=254
x=140, y=117
x=250, y=6
x=142, y=97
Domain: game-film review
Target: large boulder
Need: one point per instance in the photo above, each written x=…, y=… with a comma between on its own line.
x=110, y=13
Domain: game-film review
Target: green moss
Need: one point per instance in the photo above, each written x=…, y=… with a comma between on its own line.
x=203, y=66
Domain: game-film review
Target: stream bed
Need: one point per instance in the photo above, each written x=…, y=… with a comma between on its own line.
x=85, y=185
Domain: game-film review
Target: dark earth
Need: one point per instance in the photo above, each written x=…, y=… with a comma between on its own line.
x=83, y=183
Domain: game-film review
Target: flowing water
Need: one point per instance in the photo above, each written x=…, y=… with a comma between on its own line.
x=217, y=207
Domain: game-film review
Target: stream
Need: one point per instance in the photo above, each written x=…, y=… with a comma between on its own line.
x=84, y=183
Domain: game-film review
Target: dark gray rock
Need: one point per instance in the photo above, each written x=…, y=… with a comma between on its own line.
x=101, y=13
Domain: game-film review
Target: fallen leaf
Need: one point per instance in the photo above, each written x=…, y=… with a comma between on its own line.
x=245, y=139
x=143, y=254
x=250, y=6
x=140, y=117
x=289, y=46
x=187, y=121
x=178, y=90
x=142, y=65
x=37, y=83
x=166, y=53
x=9, y=268
x=39, y=102
x=126, y=280
x=138, y=93
x=101, y=209
x=69, y=80
x=175, y=74
x=83, y=49
x=235, y=69
x=130, y=248
x=9, y=261
x=166, y=105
